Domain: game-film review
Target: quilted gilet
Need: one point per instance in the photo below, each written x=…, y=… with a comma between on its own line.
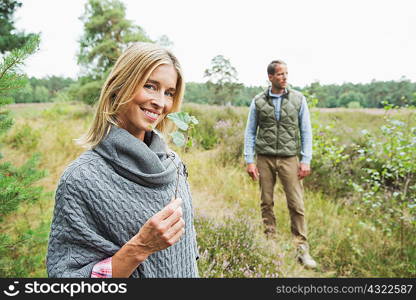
x=278, y=137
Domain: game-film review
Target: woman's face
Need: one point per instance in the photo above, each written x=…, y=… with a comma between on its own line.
x=151, y=103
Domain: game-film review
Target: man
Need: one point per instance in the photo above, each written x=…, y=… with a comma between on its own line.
x=278, y=131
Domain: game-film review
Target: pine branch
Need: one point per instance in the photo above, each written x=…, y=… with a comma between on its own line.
x=12, y=88
x=10, y=65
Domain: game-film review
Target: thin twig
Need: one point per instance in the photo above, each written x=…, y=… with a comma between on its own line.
x=406, y=186
x=177, y=177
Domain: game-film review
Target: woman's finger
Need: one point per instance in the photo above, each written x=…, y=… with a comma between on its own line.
x=173, y=218
x=175, y=228
x=168, y=210
x=177, y=236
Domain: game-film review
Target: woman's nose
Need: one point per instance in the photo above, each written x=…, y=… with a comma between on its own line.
x=160, y=100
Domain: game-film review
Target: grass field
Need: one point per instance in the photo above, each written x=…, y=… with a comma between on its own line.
x=344, y=241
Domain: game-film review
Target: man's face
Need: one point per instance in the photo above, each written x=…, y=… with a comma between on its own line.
x=279, y=78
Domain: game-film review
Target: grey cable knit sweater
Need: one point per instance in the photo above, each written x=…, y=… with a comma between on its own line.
x=106, y=195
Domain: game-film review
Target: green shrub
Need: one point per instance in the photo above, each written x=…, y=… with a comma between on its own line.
x=376, y=173
x=229, y=250
x=354, y=104
x=68, y=111
x=231, y=145
x=24, y=137
x=18, y=253
x=204, y=134
x=387, y=183
x=24, y=255
x=330, y=157
x=89, y=93
x=219, y=125
x=58, y=111
x=62, y=96
x=16, y=185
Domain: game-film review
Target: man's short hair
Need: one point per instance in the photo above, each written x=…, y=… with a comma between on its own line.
x=271, y=68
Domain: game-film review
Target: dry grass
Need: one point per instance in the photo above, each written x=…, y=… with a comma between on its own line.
x=344, y=244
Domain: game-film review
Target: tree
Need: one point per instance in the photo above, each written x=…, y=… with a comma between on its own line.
x=351, y=96
x=16, y=183
x=372, y=94
x=107, y=33
x=9, y=38
x=10, y=78
x=222, y=79
x=41, y=94
x=24, y=94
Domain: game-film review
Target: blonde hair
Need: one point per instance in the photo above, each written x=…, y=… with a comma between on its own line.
x=130, y=72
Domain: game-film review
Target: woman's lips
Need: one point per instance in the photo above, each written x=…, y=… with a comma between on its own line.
x=151, y=115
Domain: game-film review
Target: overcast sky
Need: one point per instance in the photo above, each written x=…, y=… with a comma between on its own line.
x=328, y=41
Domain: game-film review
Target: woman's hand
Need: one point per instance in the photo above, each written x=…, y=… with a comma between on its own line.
x=161, y=231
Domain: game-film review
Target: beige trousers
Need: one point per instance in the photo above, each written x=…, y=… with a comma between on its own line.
x=286, y=168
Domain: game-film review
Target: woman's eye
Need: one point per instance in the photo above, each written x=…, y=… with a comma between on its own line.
x=150, y=86
x=170, y=94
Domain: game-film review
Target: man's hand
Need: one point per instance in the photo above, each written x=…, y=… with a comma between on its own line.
x=304, y=170
x=253, y=171
x=162, y=230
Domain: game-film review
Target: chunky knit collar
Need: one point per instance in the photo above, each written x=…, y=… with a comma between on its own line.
x=152, y=165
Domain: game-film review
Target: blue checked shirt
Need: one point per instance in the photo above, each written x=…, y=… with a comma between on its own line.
x=304, y=126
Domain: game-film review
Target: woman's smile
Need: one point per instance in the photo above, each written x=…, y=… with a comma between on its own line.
x=151, y=103
x=153, y=116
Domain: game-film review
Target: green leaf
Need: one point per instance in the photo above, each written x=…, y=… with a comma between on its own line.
x=178, y=138
x=194, y=120
x=181, y=119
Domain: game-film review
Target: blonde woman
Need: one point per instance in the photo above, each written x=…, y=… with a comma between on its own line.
x=115, y=215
